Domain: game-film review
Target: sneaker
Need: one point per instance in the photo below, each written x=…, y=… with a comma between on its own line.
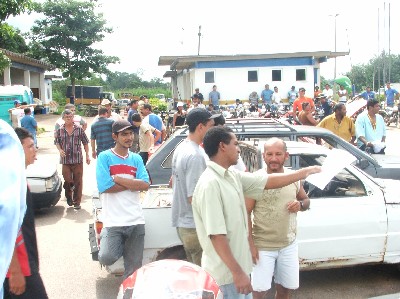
x=77, y=207
x=69, y=201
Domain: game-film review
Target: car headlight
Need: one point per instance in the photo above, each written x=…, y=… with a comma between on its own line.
x=50, y=183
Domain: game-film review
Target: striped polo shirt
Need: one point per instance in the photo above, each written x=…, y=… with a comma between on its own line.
x=101, y=131
x=71, y=144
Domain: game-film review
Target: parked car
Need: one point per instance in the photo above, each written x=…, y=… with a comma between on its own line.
x=353, y=220
x=44, y=183
x=259, y=129
x=123, y=102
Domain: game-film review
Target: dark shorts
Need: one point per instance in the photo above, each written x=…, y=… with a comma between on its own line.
x=34, y=288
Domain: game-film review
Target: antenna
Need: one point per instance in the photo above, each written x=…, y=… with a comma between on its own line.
x=199, y=34
x=390, y=58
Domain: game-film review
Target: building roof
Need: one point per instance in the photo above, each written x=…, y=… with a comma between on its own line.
x=187, y=62
x=23, y=59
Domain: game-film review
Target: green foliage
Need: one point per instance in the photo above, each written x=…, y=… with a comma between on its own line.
x=14, y=7
x=11, y=39
x=4, y=62
x=157, y=105
x=66, y=36
x=377, y=72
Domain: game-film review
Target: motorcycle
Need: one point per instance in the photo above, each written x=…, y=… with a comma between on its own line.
x=391, y=115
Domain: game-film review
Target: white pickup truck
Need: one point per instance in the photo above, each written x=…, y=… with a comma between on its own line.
x=354, y=220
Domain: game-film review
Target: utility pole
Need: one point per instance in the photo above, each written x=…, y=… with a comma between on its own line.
x=335, y=45
x=198, y=47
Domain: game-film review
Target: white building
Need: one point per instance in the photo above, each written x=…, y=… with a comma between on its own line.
x=236, y=76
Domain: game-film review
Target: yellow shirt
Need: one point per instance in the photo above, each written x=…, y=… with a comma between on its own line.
x=346, y=129
x=219, y=209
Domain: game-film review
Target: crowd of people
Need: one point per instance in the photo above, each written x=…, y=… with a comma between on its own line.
x=239, y=226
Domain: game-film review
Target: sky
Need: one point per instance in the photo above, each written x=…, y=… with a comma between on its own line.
x=146, y=30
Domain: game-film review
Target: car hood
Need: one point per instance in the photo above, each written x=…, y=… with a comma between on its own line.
x=41, y=169
x=390, y=189
x=387, y=159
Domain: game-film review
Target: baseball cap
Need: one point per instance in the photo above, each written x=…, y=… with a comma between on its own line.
x=302, y=89
x=121, y=125
x=17, y=102
x=180, y=104
x=105, y=102
x=321, y=96
x=198, y=116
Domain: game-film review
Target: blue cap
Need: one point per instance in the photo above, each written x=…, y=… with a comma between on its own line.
x=16, y=102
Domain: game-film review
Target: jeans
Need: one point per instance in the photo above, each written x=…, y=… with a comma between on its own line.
x=126, y=241
x=191, y=244
x=229, y=291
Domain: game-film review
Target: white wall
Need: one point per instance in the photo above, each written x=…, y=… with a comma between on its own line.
x=233, y=83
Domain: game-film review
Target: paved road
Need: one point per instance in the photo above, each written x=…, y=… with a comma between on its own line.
x=68, y=271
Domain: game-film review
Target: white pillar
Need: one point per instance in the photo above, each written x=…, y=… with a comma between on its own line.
x=27, y=78
x=7, y=76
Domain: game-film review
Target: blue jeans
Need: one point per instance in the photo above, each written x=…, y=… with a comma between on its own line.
x=229, y=291
x=126, y=241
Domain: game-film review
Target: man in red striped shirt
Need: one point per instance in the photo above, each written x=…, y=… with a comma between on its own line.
x=69, y=139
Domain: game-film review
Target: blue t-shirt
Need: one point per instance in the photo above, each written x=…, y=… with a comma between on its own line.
x=108, y=159
x=156, y=122
x=390, y=93
x=29, y=123
x=368, y=95
x=266, y=96
x=214, y=97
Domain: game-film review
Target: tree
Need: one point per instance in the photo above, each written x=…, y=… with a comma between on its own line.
x=12, y=40
x=66, y=38
x=10, y=8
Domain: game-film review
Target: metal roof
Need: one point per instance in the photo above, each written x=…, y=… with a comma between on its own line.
x=21, y=58
x=186, y=62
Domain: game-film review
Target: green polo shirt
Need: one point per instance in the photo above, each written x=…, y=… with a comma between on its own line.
x=219, y=209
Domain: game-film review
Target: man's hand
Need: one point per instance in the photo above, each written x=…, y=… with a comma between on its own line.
x=17, y=283
x=242, y=283
x=94, y=155
x=254, y=252
x=62, y=153
x=294, y=206
x=87, y=159
x=310, y=170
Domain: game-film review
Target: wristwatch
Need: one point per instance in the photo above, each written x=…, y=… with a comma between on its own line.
x=301, y=206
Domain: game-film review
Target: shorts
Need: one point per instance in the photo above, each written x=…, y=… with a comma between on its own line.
x=283, y=264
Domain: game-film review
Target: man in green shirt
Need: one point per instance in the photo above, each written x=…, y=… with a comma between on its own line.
x=220, y=213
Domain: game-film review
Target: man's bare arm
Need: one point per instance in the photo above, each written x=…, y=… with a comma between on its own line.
x=279, y=180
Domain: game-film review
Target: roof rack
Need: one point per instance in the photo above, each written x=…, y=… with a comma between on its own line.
x=250, y=124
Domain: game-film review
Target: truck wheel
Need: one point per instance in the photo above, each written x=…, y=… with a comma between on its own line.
x=177, y=253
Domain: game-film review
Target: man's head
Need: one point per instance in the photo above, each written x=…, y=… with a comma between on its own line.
x=276, y=88
x=70, y=107
x=27, y=111
x=219, y=120
x=322, y=98
x=340, y=110
x=306, y=106
x=388, y=85
x=146, y=109
x=136, y=120
x=341, y=87
x=134, y=104
x=122, y=133
x=222, y=140
x=275, y=155
x=28, y=145
x=17, y=103
x=196, y=90
x=106, y=103
x=316, y=88
x=199, y=120
x=293, y=88
x=368, y=88
x=327, y=86
x=302, y=91
x=373, y=106
x=195, y=100
x=103, y=111
x=68, y=116
x=266, y=86
x=214, y=87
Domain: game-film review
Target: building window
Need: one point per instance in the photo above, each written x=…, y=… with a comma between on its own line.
x=276, y=75
x=252, y=76
x=209, y=77
x=300, y=75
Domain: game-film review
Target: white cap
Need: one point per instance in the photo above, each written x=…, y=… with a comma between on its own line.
x=180, y=104
x=105, y=102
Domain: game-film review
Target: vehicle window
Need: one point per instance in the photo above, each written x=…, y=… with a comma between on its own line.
x=344, y=184
x=167, y=163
